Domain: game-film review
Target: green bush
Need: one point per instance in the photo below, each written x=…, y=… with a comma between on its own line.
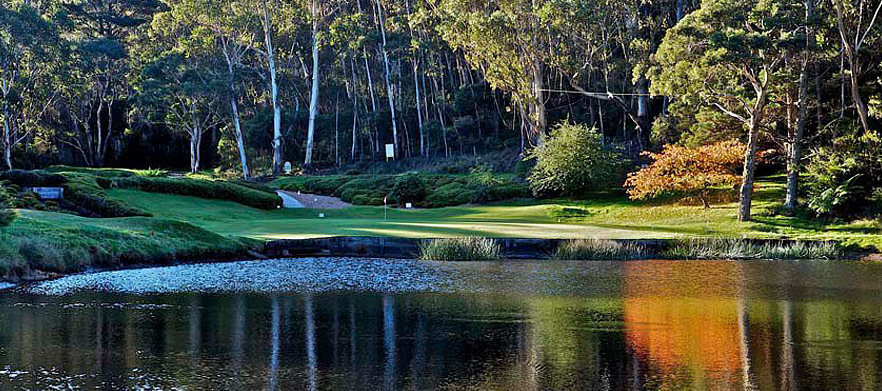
x=572, y=161
x=843, y=176
x=36, y=178
x=7, y=215
x=409, y=188
x=85, y=191
x=203, y=188
x=460, y=249
x=452, y=194
x=423, y=190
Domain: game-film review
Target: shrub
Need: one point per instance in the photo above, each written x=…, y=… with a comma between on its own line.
x=425, y=190
x=38, y=178
x=203, y=188
x=84, y=191
x=460, y=249
x=7, y=215
x=746, y=249
x=599, y=250
x=844, y=175
x=687, y=172
x=409, y=188
x=452, y=194
x=571, y=161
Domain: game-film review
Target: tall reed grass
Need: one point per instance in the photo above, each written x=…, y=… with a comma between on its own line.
x=460, y=249
x=599, y=250
x=745, y=249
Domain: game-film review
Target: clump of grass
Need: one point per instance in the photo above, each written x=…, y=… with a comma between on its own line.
x=460, y=249
x=599, y=250
x=745, y=249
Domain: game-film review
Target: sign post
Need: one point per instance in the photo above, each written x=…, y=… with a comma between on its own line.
x=385, y=208
x=390, y=152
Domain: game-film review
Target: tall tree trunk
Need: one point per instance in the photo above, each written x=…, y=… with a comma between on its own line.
x=538, y=115
x=746, y=192
x=389, y=91
x=194, y=150
x=416, y=84
x=274, y=91
x=337, y=130
x=354, y=109
x=644, y=125
x=795, y=142
x=237, y=123
x=314, y=96
x=7, y=136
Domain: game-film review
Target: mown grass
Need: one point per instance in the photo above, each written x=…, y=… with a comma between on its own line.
x=63, y=243
x=460, y=249
x=604, y=216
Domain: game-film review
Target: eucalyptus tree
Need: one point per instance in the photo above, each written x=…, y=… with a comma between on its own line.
x=29, y=50
x=224, y=30
x=321, y=13
x=505, y=39
x=174, y=90
x=100, y=30
x=856, y=21
x=728, y=55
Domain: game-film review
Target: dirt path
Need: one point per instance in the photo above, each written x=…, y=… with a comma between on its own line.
x=317, y=201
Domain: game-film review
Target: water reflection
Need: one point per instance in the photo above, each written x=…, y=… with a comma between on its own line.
x=648, y=325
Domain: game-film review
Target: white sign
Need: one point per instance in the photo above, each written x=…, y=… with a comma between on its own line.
x=48, y=193
x=288, y=168
x=390, y=151
x=408, y=205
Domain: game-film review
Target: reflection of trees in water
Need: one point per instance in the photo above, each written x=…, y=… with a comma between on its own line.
x=698, y=331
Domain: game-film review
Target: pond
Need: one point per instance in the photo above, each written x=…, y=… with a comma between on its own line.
x=388, y=324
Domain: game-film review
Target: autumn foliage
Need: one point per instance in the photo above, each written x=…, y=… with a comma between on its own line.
x=688, y=172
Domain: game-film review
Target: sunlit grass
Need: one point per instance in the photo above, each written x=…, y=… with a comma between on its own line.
x=605, y=216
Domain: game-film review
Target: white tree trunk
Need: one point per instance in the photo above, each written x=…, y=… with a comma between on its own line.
x=389, y=91
x=274, y=91
x=416, y=84
x=313, y=98
x=237, y=124
x=7, y=140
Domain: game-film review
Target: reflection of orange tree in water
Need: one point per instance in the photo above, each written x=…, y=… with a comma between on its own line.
x=685, y=326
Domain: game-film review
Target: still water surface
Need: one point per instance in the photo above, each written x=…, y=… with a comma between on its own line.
x=311, y=324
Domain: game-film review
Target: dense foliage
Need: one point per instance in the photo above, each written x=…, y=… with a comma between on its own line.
x=572, y=161
x=688, y=172
x=242, y=86
x=221, y=190
x=6, y=212
x=422, y=190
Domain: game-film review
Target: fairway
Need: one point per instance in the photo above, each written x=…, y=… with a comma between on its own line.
x=608, y=217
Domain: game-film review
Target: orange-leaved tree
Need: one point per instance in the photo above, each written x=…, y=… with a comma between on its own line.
x=688, y=172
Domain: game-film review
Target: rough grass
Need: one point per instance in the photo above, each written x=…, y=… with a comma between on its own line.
x=62, y=243
x=746, y=249
x=460, y=249
x=599, y=250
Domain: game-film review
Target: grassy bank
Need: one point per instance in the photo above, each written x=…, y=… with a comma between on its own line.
x=62, y=243
x=605, y=216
